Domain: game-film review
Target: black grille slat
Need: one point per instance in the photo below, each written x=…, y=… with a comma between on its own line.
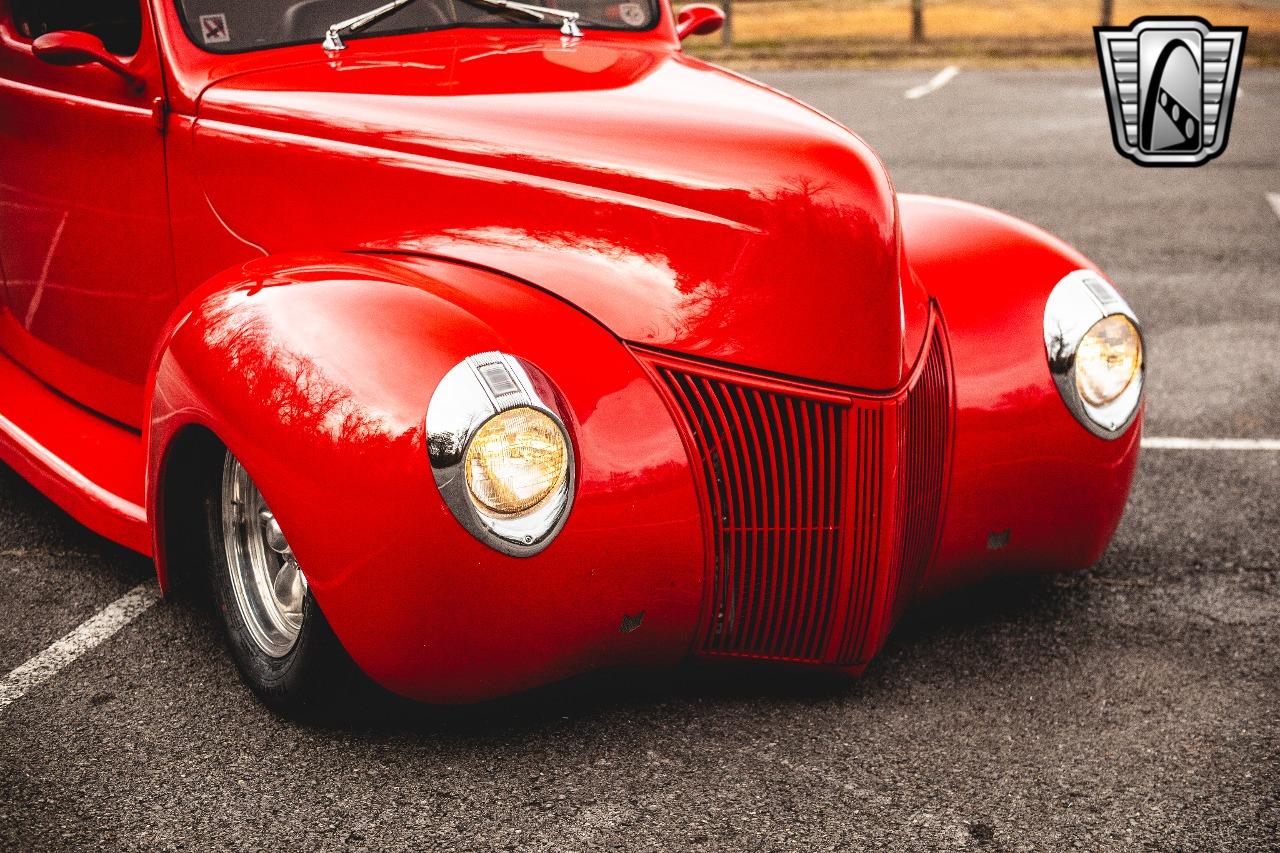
x=795, y=486
x=771, y=463
x=924, y=434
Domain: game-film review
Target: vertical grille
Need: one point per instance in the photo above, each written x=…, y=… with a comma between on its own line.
x=824, y=506
x=867, y=495
x=924, y=424
x=774, y=469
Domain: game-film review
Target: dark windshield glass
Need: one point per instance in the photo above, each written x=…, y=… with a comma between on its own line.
x=231, y=26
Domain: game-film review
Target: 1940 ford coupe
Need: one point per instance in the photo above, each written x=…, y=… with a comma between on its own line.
x=473, y=344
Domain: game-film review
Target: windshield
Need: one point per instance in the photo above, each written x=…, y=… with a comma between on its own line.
x=232, y=26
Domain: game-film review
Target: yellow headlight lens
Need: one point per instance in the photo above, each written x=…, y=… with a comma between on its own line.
x=1107, y=360
x=516, y=461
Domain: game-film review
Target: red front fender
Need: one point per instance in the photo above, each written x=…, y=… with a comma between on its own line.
x=317, y=372
x=1031, y=488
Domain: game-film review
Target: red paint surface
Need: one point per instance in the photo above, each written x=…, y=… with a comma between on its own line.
x=601, y=186
x=302, y=248
x=1022, y=463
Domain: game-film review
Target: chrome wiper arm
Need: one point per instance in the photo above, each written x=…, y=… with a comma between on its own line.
x=333, y=36
x=568, y=20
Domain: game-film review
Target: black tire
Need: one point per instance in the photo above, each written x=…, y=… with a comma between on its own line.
x=315, y=678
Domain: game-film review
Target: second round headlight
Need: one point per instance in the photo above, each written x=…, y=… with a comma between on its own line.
x=1107, y=360
x=516, y=461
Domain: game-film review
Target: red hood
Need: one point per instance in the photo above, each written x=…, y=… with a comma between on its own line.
x=683, y=207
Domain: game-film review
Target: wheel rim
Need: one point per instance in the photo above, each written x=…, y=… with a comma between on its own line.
x=268, y=585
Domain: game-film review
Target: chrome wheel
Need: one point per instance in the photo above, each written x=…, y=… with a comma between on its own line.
x=268, y=585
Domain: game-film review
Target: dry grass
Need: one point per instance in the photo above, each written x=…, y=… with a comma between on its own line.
x=828, y=19
x=1034, y=32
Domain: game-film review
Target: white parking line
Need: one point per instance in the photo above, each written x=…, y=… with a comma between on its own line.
x=90, y=634
x=939, y=80
x=1154, y=443
x=1274, y=198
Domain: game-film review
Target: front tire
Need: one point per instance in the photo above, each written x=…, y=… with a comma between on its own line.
x=279, y=639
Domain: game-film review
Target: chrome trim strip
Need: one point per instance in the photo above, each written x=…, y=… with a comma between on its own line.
x=469, y=395
x=1077, y=302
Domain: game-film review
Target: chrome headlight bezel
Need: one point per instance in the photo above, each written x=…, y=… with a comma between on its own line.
x=1077, y=303
x=471, y=394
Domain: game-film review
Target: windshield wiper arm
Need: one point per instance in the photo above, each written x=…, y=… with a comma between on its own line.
x=333, y=36
x=568, y=20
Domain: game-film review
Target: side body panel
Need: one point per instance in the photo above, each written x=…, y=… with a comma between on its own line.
x=86, y=464
x=84, y=214
x=317, y=373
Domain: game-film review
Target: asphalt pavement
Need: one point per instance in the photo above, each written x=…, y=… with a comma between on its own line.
x=1132, y=707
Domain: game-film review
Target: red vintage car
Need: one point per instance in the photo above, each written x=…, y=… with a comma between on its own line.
x=478, y=344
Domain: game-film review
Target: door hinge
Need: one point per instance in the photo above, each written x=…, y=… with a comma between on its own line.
x=160, y=114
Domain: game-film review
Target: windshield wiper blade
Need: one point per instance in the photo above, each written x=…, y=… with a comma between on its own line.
x=568, y=20
x=333, y=36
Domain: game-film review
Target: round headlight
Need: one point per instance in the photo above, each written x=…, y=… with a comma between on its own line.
x=517, y=460
x=1095, y=350
x=1107, y=359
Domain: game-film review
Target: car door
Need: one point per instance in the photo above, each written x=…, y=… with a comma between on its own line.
x=84, y=224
